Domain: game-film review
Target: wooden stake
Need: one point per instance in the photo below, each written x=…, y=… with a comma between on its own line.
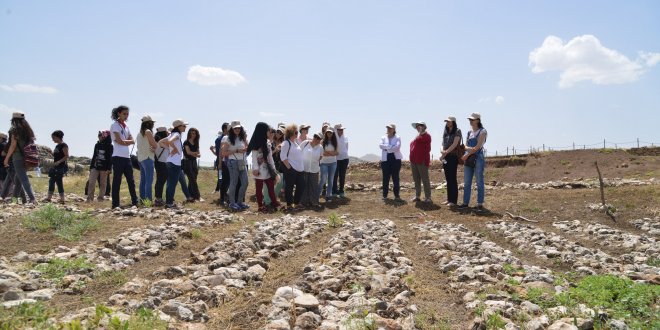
x=602, y=194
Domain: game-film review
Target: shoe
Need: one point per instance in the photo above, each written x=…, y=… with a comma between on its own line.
x=328, y=199
x=480, y=207
x=243, y=206
x=341, y=195
x=262, y=209
x=171, y=206
x=158, y=203
x=450, y=204
x=234, y=207
x=428, y=200
x=445, y=203
x=398, y=199
x=384, y=198
x=416, y=199
x=201, y=200
x=462, y=206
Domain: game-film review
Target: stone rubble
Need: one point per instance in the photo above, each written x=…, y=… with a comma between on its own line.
x=652, y=226
x=358, y=281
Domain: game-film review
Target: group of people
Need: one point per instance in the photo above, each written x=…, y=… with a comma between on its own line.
x=453, y=151
x=288, y=157
x=306, y=166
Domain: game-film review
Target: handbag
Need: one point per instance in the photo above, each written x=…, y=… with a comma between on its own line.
x=30, y=156
x=56, y=172
x=471, y=161
x=240, y=163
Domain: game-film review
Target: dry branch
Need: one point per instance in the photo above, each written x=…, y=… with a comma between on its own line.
x=517, y=217
x=602, y=194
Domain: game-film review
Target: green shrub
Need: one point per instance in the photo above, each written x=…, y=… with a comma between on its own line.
x=334, y=221
x=26, y=316
x=58, y=268
x=68, y=225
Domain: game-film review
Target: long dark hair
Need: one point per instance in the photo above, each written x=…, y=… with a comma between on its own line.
x=115, y=112
x=196, y=139
x=454, y=128
x=241, y=135
x=146, y=125
x=160, y=135
x=259, y=139
x=332, y=140
x=21, y=128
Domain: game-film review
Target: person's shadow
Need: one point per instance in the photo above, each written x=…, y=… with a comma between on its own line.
x=426, y=206
x=480, y=212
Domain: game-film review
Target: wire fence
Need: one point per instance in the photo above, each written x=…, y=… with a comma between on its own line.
x=524, y=150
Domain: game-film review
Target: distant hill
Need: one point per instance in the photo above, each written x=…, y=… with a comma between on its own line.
x=370, y=158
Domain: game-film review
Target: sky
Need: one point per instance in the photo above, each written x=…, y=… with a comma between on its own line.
x=547, y=73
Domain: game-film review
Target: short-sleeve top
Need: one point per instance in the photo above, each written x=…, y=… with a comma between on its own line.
x=448, y=139
x=119, y=150
x=192, y=147
x=58, y=154
x=175, y=158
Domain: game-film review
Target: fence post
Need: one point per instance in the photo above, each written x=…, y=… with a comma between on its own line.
x=604, y=144
x=544, y=147
x=495, y=153
x=573, y=145
x=514, y=150
x=507, y=151
x=637, y=142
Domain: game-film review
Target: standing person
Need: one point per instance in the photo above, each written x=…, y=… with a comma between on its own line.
x=9, y=184
x=277, y=140
x=215, y=150
x=451, y=138
x=312, y=152
x=223, y=161
x=302, y=137
x=121, y=155
x=21, y=134
x=390, y=161
x=146, y=145
x=328, y=162
x=60, y=167
x=474, y=146
x=234, y=146
x=175, y=148
x=291, y=157
x=100, y=165
x=420, y=159
x=263, y=165
x=162, y=152
x=190, y=167
x=342, y=162
x=3, y=170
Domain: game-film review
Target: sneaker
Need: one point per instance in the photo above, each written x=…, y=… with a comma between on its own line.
x=341, y=195
x=480, y=207
x=428, y=200
x=462, y=206
x=384, y=198
x=171, y=206
x=416, y=199
x=234, y=207
x=398, y=199
x=329, y=198
x=243, y=206
x=262, y=209
x=201, y=200
x=450, y=204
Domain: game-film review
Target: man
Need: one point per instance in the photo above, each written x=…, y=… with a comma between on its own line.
x=342, y=162
x=223, y=170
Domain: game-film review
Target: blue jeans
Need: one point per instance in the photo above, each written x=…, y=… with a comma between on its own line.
x=234, y=175
x=146, y=178
x=478, y=172
x=327, y=176
x=173, y=176
x=21, y=180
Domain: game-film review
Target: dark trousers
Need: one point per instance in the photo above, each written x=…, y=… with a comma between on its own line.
x=56, y=180
x=340, y=177
x=293, y=178
x=450, y=175
x=122, y=167
x=161, y=179
x=191, y=170
x=224, y=184
x=391, y=168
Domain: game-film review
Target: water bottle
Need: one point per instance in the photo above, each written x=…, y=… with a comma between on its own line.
x=38, y=170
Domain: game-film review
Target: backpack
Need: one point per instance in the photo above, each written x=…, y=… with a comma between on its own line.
x=30, y=156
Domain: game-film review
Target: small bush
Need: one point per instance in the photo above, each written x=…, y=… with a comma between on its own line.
x=26, y=316
x=111, y=278
x=196, y=233
x=495, y=321
x=334, y=221
x=68, y=225
x=58, y=268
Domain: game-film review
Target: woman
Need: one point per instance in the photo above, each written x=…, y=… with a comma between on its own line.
x=175, y=148
x=121, y=155
x=420, y=160
x=234, y=146
x=59, y=169
x=263, y=165
x=451, y=138
x=342, y=162
x=190, y=168
x=276, y=137
x=328, y=162
x=21, y=134
x=146, y=145
x=3, y=170
x=302, y=137
x=100, y=166
x=291, y=157
x=474, y=146
x=162, y=152
x=312, y=153
x=8, y=185
x=390, y=161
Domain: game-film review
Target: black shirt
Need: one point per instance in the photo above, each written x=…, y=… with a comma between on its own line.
x=192, y=147
x=58, y=154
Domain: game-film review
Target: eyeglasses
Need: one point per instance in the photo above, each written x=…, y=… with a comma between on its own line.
x=295, y=133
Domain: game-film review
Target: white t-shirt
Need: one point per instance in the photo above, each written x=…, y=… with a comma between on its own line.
x=311, y=156
x=175, y=138
x=238, y=144
x=261, y=164
x=342, y=147
x=328, y=159
x=291, y=151
x=119, y=150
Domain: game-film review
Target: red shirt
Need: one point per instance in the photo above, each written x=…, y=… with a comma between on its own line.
x=420, y=149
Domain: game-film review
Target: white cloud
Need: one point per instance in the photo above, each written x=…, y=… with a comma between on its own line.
x=271, y=114
x=499, y=99
x=209, y=76
x=7, y=109
x=585, y=58
x=27, y=88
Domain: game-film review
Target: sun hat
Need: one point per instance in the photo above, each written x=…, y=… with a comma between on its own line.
x=392, y=126
x=235, y=124
x=339, y=126
x=146, y=118
x=475, y=116
x=304, y=126
x=318, y=135
x=161, y=129
x=414, y=125
x=451, y=118
x=18, y=115
x=178, y=123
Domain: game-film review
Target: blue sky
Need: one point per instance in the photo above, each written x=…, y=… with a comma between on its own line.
x=552, y=73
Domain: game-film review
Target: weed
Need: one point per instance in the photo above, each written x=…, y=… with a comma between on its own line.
x=510, y=269
x=409, y=280
x=147, y=202
x=495, y=321
x=357, y=287
x=68, y=225
x=427, y=320
x=113, y=278
x=26, y=316
x=565, y=163
x=479, y=310
x=196, y=233
x=57, y=268
x=652, y=261
x=512, y=281
x=360, y=321
x=334, y=221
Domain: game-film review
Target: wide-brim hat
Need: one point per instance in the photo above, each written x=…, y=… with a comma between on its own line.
x=178, y=123
x=392, y=126
x=146, y=118
x=18, y=115
x=161, y=129
x=235, y=124
x=339, y=126
x=318, y=135
x=414, y=125
x=304, y=126
x=475, y=116
x=451, y=118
